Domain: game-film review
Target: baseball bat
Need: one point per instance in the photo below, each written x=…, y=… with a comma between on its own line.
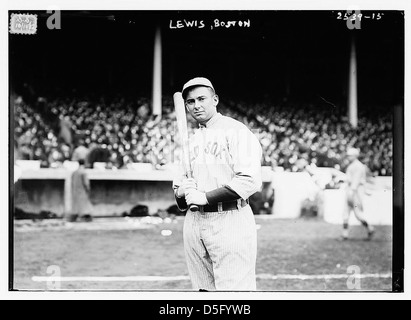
x=182, y=129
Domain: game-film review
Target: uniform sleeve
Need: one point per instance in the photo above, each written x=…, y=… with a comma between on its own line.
x=223, y=194
x=245, y=151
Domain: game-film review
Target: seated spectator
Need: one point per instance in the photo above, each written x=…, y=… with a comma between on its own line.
x=292, y=134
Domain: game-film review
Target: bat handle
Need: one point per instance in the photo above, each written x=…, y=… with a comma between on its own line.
x=194, y=208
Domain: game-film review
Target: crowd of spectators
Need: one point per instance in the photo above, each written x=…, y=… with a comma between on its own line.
x=294, y=135
x=120, y=132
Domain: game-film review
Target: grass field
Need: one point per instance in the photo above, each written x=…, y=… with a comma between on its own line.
x=293, y=255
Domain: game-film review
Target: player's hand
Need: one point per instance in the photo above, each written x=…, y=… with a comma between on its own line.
x=194, y=196
x=186, y=185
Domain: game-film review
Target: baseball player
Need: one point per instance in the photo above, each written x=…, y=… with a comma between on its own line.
x=220, y=240
x=356, y=175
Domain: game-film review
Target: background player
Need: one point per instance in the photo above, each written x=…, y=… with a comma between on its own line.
x=356, y=176
x=220, y=240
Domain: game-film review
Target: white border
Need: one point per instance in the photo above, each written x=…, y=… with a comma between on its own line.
x=181, y=5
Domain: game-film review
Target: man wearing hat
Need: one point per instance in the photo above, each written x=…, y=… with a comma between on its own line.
x=356, y=175
x=220, y=240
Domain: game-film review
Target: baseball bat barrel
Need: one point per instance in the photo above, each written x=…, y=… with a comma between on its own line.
x=182, y=128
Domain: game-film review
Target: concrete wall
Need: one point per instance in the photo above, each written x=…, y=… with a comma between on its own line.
x=378, y=205
x=116, y=197
x=116, y=192
x=291, y=189
x=38, y=195
x=113, y=192
x=109, y=197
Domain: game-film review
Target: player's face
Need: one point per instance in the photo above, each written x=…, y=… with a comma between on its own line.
x=201, y=102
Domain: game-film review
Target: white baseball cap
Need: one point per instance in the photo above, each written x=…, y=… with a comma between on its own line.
x=198, y=81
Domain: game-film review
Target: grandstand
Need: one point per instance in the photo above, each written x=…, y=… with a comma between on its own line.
x=289, y=133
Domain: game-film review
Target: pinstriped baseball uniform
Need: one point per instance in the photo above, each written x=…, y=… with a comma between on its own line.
x=221, y=246
x=356, y=178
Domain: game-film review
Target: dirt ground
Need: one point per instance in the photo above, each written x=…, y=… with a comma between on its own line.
x=136, y=247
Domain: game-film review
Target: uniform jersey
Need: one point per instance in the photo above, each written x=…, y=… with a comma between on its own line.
x=356, y=180
x=224, y=152
x=356, y=175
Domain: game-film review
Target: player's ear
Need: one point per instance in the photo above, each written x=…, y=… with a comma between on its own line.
x=186, y=105
x=215, y=100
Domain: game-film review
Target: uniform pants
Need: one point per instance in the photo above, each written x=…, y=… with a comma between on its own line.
x=355, y=203
x=221, y=249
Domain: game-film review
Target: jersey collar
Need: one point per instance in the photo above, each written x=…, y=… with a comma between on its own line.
x=212, y=121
